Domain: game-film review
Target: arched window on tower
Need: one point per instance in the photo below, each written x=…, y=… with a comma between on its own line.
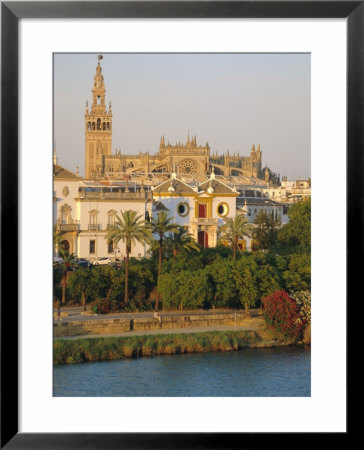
x=98, y=100
x=103, y=126
x=99, y=124
x=107, y=125
x=93, y=125
x=89, y=126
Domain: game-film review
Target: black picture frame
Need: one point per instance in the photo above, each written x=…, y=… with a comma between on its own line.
x=11, y=12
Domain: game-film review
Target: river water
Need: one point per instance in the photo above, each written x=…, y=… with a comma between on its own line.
x=274, y=372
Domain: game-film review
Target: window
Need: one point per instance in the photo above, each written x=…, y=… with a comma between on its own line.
x=183, y=209
x=92, y=246
x=99, y=124
x=93, y=220
x=111, y=219
x=110, y=247
x=222, y=209
x=202, y=210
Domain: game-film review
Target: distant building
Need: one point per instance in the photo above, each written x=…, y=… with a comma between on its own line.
x=289, y=191
x=250, y=202
x=185, y=159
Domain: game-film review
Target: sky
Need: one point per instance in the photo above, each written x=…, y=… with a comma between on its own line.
x=231, y=101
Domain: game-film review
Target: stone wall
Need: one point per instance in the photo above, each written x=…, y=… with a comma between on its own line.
x=122, y=325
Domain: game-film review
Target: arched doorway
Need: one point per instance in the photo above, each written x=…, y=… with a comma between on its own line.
x=65, y=246
x=203, y=239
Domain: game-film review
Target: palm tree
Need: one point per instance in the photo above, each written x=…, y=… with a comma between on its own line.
x=161, y=226
x=68, y=262
x=235, y=228
x=57, y=241
x=179, y=240
x=129, y=228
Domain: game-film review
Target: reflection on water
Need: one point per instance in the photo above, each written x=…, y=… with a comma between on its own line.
x=275, y=372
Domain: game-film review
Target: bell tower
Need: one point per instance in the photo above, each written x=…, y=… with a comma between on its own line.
x=98, y=128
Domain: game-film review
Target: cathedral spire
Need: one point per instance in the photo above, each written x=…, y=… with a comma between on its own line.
x=98, y=126
x=98, y=89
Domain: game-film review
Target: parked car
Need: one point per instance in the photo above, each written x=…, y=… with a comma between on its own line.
x=102, y=260
x=117, y=263
x=82, y=262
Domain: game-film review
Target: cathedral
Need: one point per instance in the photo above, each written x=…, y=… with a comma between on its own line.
x=189, y=159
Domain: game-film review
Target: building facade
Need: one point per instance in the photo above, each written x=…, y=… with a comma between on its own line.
x=200, y=209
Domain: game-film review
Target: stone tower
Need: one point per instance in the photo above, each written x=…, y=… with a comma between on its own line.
x=98, y=128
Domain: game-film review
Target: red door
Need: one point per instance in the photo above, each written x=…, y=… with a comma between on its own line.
x=203, y=239
x=201, y=210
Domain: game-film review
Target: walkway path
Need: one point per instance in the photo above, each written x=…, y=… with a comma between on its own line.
x=75, y=313
x=253, y=324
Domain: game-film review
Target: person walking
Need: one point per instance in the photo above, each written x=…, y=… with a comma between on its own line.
x=157, y=316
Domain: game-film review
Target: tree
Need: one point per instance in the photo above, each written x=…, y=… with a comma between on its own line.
x=223, y=285
x=179, y=240
x=266, y=274
x=266, y=229
x=161, y=226
x=246, y=287
x=295, y=236
x=68, y=262
x=129, y=228
x=82, y=284
x=57, y=240
x=184, y=289
x=235, y=228
x=297, y=277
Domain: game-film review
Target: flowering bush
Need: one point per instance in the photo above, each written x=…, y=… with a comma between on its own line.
x=104, y=306
x=303, y=300
x=282, y=313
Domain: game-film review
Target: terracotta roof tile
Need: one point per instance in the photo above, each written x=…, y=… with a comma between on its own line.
x=61, y=172
x=178, y=187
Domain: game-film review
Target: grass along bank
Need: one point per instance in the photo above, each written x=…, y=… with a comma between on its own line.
x=110, y=348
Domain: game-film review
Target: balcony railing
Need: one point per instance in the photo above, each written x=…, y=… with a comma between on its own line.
x=68, y=226
x=205, y=221
x=110, y=226
x=94, y=226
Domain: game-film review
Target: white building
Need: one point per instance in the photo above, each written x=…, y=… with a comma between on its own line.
x=289, y=191
x=85, y=211
x=201, y=209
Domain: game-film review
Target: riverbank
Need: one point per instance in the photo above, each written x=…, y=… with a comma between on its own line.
x=67, y=351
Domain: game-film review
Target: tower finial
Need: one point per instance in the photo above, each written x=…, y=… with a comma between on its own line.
x=212, y=177
x=99, y=57
x=55, y=159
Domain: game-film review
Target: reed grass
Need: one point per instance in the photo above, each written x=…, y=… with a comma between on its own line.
x=109, y=348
